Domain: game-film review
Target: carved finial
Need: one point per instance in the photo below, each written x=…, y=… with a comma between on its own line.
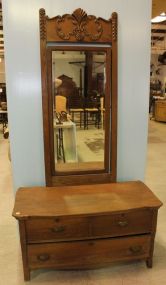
x=114, y=26
x=42, y=14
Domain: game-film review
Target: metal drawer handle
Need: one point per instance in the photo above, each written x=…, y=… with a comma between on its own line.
x=43, y=257
x=136, y=249
x=58, y=229
x=123, y=223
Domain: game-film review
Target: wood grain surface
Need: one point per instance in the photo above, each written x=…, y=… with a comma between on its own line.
x=83, y=200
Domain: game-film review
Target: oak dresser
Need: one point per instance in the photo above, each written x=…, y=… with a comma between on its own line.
x=85, y=226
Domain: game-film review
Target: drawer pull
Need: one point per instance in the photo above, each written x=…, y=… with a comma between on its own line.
x=59, y=229
x=136, y=249
x=43, y=257
x=123, y=223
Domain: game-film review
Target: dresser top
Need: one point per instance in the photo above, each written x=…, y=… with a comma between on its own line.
x=82, y=200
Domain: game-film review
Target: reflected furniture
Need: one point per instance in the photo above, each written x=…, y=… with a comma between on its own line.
x=102, y=111
x=154, y=99
x=3, y=107
x=76, y=107
x=3, y=93
x=78, y=111
x=160, y=110
x=75, y=103
x=60, y=106
x=87, y=226
x=68, y=87
x=60, y=103
x=84, y=105
x=66, y=143
x=92, y=113
x=92, y=116
x=3, y=119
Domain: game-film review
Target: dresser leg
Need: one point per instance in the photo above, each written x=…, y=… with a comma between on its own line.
x=26, y=274
x=149, y=262
x=23, y=241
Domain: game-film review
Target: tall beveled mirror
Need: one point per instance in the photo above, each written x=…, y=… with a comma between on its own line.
x=79, y=88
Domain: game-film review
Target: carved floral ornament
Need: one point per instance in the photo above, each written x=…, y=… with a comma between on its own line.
x=80, y=26
x=80, y=20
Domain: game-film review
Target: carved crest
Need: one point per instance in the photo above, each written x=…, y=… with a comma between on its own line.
x=80, y=21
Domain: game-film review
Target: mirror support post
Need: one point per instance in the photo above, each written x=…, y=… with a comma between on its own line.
x=46, y=125
x=114, y=76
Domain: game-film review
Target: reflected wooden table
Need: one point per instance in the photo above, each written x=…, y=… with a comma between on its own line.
x=65, y=141
x=160, y=110
x=155, y=99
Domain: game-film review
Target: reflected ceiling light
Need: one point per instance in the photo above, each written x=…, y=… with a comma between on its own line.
x=159, y=19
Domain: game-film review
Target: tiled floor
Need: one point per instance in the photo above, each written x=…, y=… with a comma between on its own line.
x=119, y=274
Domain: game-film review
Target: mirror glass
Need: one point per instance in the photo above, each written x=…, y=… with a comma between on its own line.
x=78, y=88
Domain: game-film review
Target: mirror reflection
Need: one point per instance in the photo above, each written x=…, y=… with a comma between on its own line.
x=78, y=88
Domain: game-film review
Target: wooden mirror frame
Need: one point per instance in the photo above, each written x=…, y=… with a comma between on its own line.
x=74, y=30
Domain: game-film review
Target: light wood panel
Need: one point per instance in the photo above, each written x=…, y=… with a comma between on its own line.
x=158, y=6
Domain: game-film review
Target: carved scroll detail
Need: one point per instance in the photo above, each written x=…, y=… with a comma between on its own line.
x=80, y=22
x=42, y=24
x=114, y=26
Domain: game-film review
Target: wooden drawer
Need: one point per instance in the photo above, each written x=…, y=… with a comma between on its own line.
x=87, y=254
x=134, y=222
x=54, y=229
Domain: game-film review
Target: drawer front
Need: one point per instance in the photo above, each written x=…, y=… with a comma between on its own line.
x=87, y=254
x=134, y=222
x=50, y=229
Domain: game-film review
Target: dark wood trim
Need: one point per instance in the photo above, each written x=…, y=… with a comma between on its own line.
x=80, y=179
x=79, y=172
x=81, y=47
